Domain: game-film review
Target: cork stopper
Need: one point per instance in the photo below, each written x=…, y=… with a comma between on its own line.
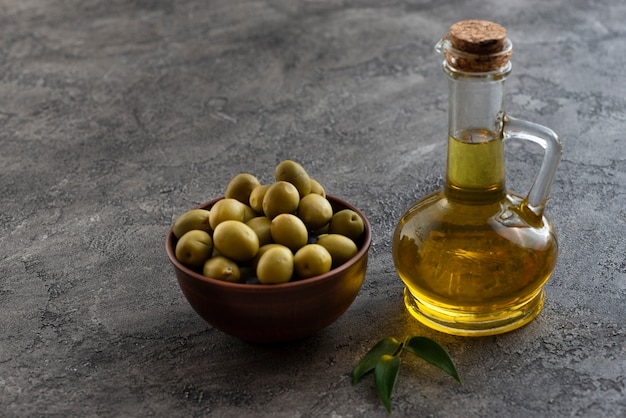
x=477, y=46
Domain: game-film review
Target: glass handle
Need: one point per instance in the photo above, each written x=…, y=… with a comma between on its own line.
x=550, y=142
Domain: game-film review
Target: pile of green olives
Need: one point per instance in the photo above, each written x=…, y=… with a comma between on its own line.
x=268, y=233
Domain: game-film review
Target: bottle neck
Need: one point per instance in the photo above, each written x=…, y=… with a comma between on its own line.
x=475, y=165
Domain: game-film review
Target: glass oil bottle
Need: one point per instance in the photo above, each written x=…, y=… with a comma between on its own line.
x=473, y=256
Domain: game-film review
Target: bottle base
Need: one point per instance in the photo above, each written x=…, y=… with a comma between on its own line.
x=472, y=324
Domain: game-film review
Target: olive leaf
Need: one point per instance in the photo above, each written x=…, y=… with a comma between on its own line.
x=384, y=359
x=385, y=377
x=432, y=352
x=387, y=345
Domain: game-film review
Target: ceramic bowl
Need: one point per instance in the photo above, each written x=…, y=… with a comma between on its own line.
x=280, y=312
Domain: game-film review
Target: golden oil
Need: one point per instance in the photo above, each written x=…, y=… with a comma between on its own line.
x=473, y=260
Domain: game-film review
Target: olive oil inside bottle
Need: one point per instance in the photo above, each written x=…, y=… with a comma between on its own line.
x=470, y=260
x=475, y=169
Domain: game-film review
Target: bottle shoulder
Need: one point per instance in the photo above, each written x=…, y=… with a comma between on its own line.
x=506, y=217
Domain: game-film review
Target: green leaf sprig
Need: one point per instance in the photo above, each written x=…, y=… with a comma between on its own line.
x=384, y=359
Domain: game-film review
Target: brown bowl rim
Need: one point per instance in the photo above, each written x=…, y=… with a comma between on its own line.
x=260, y=288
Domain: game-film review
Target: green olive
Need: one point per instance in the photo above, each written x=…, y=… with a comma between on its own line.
x=347, y=222
x=340, y=247
x=190, y=220
x=312, y=260
x=221, y=268
x=290, y=231
x=262, y=250
x=261, y=226
x=315, y=211
x=317, y=188
x=227, y=209
x=295, y=174
x=194, y=248
x=248, y=213
x=280, y=197
x=241, y=186
x=256, y=197
x=236, y=240
x=275, y=266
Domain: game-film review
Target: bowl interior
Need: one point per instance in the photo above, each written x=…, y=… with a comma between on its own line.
x=337, y=204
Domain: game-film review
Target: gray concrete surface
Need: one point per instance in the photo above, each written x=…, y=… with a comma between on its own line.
x=116, y=116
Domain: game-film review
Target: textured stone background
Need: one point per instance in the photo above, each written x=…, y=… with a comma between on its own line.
x=117, y=116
